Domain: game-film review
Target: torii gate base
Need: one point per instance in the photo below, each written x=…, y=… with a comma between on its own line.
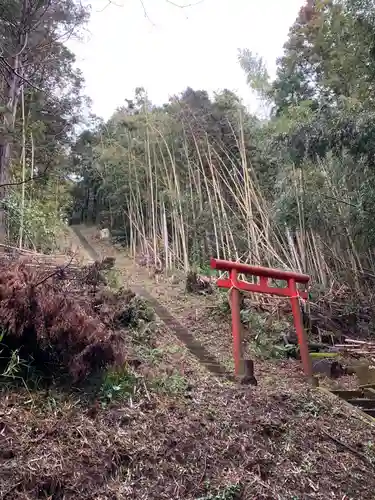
x=264, y=274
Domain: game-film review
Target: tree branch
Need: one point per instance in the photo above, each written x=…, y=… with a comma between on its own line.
x=22, y=78
x=58, y=271
x=19, y=183
x=110, y=2
x=185, y=5
x=145, y=13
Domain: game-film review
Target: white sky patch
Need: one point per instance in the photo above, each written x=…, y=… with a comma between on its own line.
x=175, y=48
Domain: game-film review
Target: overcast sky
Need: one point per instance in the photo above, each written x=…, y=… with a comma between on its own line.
x=173, y=48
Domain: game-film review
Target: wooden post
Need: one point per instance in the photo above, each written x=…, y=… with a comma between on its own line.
x=301, y=334
x=235, y=301
x=262, y=286
x=249, y=377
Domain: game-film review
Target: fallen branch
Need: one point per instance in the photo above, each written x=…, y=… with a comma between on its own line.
x=360, y=455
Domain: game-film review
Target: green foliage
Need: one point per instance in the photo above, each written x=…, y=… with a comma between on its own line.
x=205, y=269
x=16, y=371
x=201, y=176
x=153, y=355
x=43, y=107
x=256, y=72
x=264, y=348
x=139, y=312
x=174, y=384
x=322, y=129
x=41, y=222
x=14, y=365
x=117, y=385
x=113, y=278
x=230, y=492
x=139, y=148
x=267, y=332
x=327, y=40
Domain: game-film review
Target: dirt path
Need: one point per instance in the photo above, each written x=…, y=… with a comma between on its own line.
x=69, y=241
x=195, y=321
x=181, y=332
x=190, y=318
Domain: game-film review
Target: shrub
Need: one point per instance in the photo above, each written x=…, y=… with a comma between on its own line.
x=123, y=308
x=117, y=385
x=51, y=325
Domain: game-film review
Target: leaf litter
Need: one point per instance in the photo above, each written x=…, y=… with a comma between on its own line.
x=210, y=439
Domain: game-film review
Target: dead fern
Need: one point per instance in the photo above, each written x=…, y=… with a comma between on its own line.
x=52, y=326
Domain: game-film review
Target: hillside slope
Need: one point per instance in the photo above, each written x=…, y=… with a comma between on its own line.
x=280, y=439
x=167, y=428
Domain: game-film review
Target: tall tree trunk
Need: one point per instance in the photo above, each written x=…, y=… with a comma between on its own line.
x=4, y=178
x=23, y=158
x=12, y=87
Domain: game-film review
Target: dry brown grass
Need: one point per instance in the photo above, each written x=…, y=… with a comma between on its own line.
x=272, y=444
x=280, y=440
x=51, y=316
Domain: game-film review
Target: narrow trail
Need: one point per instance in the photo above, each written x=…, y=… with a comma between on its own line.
x=193, y=320
x=206, y=359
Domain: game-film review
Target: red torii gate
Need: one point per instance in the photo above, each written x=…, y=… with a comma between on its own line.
x=264, y=274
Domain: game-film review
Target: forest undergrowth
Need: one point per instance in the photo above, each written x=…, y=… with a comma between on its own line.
x=153, y=423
